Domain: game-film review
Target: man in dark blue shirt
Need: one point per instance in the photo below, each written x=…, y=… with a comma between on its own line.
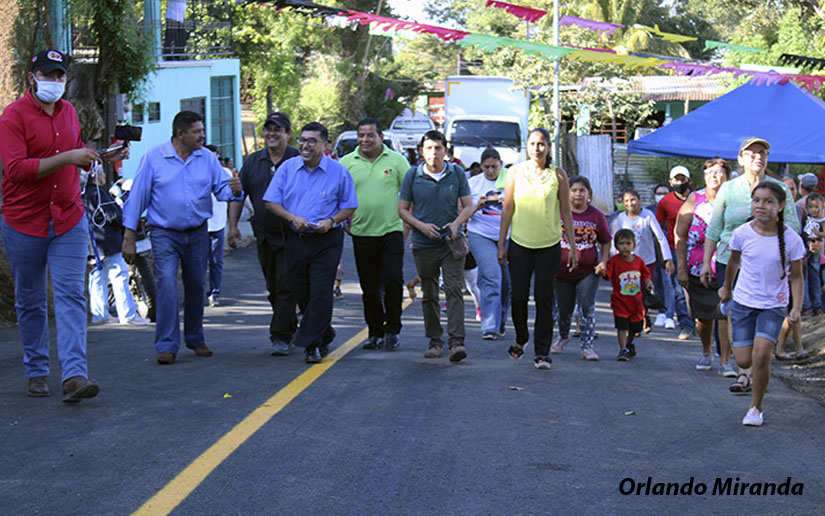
x=258, y=170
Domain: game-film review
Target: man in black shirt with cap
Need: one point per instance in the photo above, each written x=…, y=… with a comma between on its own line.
x=258, y=170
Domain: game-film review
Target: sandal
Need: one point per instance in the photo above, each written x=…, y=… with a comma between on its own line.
x=783, y=357
x=800, y=356
x=741, y=387
x=515, y=352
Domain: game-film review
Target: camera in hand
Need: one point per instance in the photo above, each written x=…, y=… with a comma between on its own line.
x=128, y=133
x=493, y=199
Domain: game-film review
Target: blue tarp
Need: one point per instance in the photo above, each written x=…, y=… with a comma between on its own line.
x=788, y=117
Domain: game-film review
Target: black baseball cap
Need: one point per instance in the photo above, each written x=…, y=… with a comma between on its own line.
x=47, y=61
x=279, y=119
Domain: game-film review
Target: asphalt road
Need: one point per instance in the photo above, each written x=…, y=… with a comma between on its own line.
x=393, y=433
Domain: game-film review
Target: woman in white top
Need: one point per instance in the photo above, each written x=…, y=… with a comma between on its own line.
x=483, y=231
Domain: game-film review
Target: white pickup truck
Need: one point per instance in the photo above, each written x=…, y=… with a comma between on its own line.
x=482, y=112
x=410, y=128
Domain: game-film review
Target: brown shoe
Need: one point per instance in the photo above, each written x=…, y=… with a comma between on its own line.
x=77, y=387
x=434, y=351
x=458, y=353
x=166, y=358
x=202, y=351
x=38, y=387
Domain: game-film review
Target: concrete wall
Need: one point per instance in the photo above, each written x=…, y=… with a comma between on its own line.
x=8, y=81
x=176, y=80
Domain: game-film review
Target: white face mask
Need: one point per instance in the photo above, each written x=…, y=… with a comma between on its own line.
x=658, y=197
x=50, y=91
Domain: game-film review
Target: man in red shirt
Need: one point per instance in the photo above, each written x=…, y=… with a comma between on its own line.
x=44, y=227
x=666, y=213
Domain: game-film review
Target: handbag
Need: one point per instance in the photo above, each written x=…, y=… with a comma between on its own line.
x=458, y=246
x=652, y=300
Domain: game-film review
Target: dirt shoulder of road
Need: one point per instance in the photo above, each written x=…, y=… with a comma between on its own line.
x=808, y=375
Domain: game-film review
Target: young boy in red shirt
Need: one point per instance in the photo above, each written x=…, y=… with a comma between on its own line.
x=628, y=273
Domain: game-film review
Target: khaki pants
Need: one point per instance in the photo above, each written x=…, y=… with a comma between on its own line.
x=429, y=262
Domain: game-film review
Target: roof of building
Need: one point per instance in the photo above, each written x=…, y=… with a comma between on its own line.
x=672, y=87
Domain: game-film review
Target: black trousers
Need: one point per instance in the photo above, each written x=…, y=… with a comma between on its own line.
x=380, y=261
x=311, y=266
x=284, y=322
x=524, y=264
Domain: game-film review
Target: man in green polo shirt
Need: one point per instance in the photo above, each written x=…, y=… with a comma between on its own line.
x=377, y=232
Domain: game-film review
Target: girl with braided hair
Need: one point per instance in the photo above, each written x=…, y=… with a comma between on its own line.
x=731, y=209
x=763, y=251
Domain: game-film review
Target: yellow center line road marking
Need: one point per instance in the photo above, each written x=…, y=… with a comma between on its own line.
x=176, y=491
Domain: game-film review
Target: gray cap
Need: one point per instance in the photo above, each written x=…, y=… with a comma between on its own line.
x=808, y=181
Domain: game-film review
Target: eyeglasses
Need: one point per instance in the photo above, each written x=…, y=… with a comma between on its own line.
x=716, y=171
x=307, y=141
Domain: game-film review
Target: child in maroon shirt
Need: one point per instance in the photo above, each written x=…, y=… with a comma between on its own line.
x=628, y=273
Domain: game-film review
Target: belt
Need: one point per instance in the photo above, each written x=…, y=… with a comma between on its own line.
x=187, y=230
x=308, y=236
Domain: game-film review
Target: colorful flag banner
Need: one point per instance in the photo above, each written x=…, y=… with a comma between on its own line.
x=602, y=27
x=304, y=7
x=388, y=24
x=525, y=13
x=710, y=44
x=674, y=38
x=802, y=61
x=812, y=83
x=486, y=42
x=609, y=56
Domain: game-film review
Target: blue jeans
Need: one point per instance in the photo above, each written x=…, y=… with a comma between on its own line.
x=749, y=323
x=115, y=269
x=493, y=283
x=188, y=249
x=216, y=241
x=676, y=304
x=665, y=289
x=64, y=257
x=583, y=292
x=813, y=284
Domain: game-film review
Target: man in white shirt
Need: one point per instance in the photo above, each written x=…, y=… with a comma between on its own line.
x=216, y=226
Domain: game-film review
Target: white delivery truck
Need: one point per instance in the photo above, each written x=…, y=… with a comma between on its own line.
x=482, y=112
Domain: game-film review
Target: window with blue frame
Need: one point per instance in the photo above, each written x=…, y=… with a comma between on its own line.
x=196, y=104
x=222, y=123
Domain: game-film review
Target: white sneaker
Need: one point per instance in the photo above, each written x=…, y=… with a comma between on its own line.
x=138, y=320
x=705, y=362
x=558, y=346
x=727, y=370
x=660, y=320
x=753, y=417
x=669, y=324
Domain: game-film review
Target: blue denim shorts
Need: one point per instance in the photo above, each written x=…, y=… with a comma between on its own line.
x=748, y=323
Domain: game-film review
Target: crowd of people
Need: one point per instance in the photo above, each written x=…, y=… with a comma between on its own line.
x=725, y=259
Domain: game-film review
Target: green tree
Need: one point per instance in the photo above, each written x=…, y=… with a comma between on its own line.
x=314, y=69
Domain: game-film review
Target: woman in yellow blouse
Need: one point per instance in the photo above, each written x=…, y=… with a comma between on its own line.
x=537, y=202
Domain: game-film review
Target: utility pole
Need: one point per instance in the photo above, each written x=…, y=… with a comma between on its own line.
x=60, y=26
x=556, y=111
x=362, y=77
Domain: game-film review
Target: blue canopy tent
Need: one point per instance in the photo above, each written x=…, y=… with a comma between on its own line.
x=788, y=117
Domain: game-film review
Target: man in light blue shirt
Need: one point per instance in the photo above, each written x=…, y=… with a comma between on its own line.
x=174, y=182
x=314, y=194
